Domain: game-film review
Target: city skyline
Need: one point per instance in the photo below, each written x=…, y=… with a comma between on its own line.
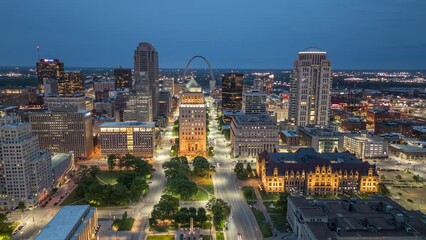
x=365, y=35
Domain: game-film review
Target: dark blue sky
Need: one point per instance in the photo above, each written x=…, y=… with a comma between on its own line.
x=357, y=34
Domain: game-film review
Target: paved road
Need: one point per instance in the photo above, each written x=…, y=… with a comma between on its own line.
x=242, y=220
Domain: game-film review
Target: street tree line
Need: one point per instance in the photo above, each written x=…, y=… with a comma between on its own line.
x=167, y=211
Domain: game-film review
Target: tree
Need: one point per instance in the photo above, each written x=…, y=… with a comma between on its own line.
x=142, y=167
x=399, y=177
x=166, y=208
x=182, y=186
x=94, y=170
x=111, y=161
x=201, y=166
x=416, y=178
x=139, y=185
x=248, y=168
x=201, y=215
x=176, y=166
x=220, y=211
x=21, y=206
x=6, y=227
x=126, y=179
x=182, y=216
x=282, y=202
x=82, y=173
x=383, y=189
x=238, y=167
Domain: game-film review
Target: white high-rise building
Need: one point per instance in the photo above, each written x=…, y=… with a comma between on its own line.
x=254, y=102
x=25, y=170
x=146, y=73
x=310, y=88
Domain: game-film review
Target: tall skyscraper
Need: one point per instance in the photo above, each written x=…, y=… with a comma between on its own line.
x=49, y=69
x=192, y=121
x=310, y=88
x=64, y=129
x=72, y=82
x=232, y=91
x=254, y=102
x=25, y=170
x=146, y=72
x=123, y=78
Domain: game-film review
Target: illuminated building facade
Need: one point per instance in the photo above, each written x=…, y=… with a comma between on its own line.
x=25, y=170
x=123, y=78
x=308, y=172
x=146, y=72
x=254, y=102
x=71, y=83
x=365, y=147
x=192, y=121
x=310, y=88
x=322, y=139
x=78, y=100
x=48, y=68
x=232, y=91
x=120, y=138
x=64, y=129
x=138, y=107
x=251, y=135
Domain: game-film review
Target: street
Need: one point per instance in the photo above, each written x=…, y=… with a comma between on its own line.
x=242, y=221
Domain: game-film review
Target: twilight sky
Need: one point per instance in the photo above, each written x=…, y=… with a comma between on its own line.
x=357, y=34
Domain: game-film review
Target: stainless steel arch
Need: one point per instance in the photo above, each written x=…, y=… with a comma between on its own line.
x=205, y=60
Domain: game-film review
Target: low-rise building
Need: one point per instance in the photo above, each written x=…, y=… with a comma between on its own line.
x=365, y=147
x=322, y=139
x=62, y=163
x=251, y=135
x=413, y=150
x=353, y=124
x=290, y=138
x=120, y=138
x=376, y=218
x=75, y=222
x=402, y=126
x=308, y=172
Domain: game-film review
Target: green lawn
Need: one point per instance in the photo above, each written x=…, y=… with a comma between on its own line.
x=271, y=209
x=280, y=222
x=200, y=196
x=124, y=225
x=265, y=227
x=161, y=237
x=269, y=196
x=72, y=198
x=107, y=177
x=205, y=183
x=248, y=193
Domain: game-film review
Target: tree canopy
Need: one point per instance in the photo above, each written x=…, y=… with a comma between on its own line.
x=220, y=211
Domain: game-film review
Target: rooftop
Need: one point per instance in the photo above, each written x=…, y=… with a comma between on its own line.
x=307, y=155
x=312, y=50
x=127, y=124
x=371, y=218
x=409, y=148
x=246, y=119
x=62, y=224
x=289, y=133
x=59, y=158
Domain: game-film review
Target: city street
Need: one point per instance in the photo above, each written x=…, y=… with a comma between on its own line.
x=242, y=221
